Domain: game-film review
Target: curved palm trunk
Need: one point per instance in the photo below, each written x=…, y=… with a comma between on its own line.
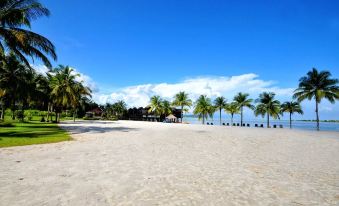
x=182, y=113
x=268, y=120
x=231, y=119
x=203, y=119
x=74, y=114
x=317, y=113
x=2, y=112
x=220, y=115
x=290, y=120
x=241, y=117
x=48, y=110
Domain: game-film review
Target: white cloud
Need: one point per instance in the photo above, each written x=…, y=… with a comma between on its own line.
x=214, y=86
x=41, y=69
x=87, y=80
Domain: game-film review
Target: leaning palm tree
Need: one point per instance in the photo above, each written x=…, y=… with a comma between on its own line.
x=317, y=85
x=203, y=108
x=182, y=100
x=232, y=109
x=220, y=103
x=156, y=106
x=15, y=34
x=291, y=107
x=267, y=105
x=241, y=99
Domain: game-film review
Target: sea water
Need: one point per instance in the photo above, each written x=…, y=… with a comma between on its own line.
x=324, y=126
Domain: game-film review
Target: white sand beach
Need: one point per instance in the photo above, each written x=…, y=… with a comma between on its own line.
x=146, y=163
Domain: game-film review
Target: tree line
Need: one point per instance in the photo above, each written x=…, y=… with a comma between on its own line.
x=314, y=86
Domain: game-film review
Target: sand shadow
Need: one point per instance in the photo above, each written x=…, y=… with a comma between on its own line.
x=94, y=129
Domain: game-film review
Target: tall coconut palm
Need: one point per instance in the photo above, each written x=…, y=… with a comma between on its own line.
x=317, y=85
x=242, y=100
x=232, y=109
x=267, y=105
x=291, y=107
x=15, y=31
x=203, y=108
x=220, y=103
x=182, y=100
x=156, y=106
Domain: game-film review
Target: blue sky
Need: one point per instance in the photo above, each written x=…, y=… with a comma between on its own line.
x=121, y=46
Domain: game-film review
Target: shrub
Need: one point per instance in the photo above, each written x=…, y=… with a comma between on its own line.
x=29, y=114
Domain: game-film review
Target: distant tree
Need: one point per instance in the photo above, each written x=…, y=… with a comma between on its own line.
x=166, y=108
x=119, y=108
x=156, y=106
x=81, y=92
x=291, y=107
x=232, y=109
x=12, y=79
x=242, y=100
x=267, y=105
x=220, y=103
x=317, y=85
x=204, y=108
x=15, y=17
x=182, y=100
x=66, y=90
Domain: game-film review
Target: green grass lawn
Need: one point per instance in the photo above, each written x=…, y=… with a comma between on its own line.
x=33, y=132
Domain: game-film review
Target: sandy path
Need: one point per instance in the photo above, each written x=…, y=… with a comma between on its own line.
x=144, y=163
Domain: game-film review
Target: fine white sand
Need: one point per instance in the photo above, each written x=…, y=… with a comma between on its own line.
x=147, y=163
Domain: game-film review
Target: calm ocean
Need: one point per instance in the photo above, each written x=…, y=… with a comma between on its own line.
x=325, y=126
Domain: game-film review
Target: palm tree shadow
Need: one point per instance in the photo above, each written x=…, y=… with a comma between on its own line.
x=20, y=134
x=94, y=129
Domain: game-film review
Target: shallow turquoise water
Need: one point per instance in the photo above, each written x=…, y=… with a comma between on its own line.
x=325, y=126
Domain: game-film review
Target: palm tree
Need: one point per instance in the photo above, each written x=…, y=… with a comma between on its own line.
x=203, y=108
x=291, y=107
x=63, y=85
x=242, y=101
x=317, y=85
x=181, y=100
x=80, y=92
x=232, y=109
x=156, y=106
x=119, y=108
x=166, y=108
x=15, y=16
x=12, y=74
x=267, y=106
x=220, y=103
